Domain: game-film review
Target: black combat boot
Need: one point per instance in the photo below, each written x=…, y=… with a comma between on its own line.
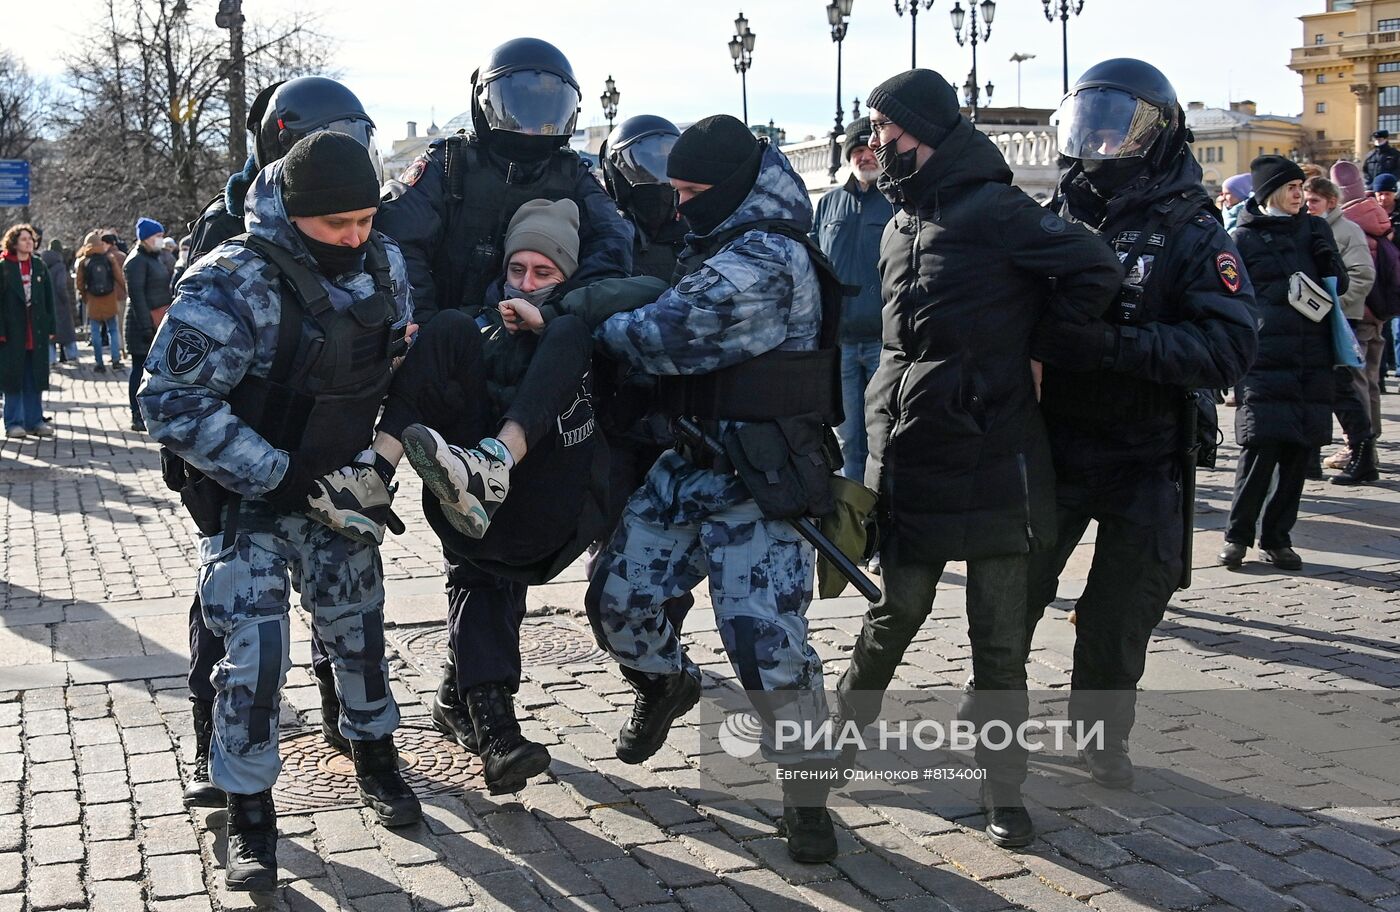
x=1110, y=765
x=252, y=844
x=1008, y=823
x=1363, y=467
x=806, y=823
x=661, y=700
x=200, y=792
x=382, y=788
x=330, y=709
x=450, y=714
x=509, y=758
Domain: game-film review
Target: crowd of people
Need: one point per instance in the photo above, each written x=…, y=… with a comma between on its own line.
x=665, y=370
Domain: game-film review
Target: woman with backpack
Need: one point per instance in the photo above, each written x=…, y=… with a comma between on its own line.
x=102, y=288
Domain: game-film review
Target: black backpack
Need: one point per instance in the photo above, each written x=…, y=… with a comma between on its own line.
x=98, y=278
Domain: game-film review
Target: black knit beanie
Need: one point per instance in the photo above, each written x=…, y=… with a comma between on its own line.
x=1269, y=172
x=710, y=150
x=857, y=135
x=326, y=173
x=920, y=101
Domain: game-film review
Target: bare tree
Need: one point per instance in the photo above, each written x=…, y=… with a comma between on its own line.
x=143, y=128
x=23, y=105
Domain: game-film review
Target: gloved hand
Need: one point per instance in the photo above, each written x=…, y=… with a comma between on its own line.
x=294, y=490
x=1074, y=346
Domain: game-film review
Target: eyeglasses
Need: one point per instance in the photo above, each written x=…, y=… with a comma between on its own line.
x=879, y=126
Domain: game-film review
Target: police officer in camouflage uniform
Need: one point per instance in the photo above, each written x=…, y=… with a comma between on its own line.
x=750, y=296
x=449, y=212
x=275, y=411
x=281, y=114
x=1116, y=391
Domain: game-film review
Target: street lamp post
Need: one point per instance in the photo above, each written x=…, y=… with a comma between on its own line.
x=913, y=7
x=230, y=16
x=609, y=99
x=973, y=34
x=741, y=49
x=838, y=13
x=1066, y=8
x=1018, y=59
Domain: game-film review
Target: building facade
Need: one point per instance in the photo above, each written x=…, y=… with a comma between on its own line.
x=1227, y=140
x=1349, y=64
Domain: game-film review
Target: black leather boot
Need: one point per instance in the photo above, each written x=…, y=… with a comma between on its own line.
x=382, y=788
x=1008, y=823
x=806, y=823
x=200, y=792
x=450, y=714
x=1363, y=466
x=252, y=844
x=509, y=759
x=330, y=709
x=660, y=702
x=1110, y=766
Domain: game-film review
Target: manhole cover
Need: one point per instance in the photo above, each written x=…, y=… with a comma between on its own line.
x=543, y=641
x=316, y=776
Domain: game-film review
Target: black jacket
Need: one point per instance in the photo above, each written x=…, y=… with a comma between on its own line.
x=1381, y=160
x=1287, y=395
x=147, y=289
x=1192, y=329
x=221, y=219
x=417, y=209
x=967, y=266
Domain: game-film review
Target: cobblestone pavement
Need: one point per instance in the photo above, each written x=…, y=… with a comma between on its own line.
x=95, y=577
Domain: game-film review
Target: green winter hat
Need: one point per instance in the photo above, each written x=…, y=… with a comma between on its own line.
x=546, y=227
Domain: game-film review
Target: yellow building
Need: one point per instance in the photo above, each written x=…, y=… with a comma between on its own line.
x=1228, y=140
x=1350, y=68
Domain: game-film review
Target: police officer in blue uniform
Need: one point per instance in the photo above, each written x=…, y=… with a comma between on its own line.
x=449, y=212
x=283, y=113
x=264, y=382
x=1117, y=392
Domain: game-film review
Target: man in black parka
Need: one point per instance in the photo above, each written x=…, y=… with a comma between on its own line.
x=958, y=452
x=1114, y=389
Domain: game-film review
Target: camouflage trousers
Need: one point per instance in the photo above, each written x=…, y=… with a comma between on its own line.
x=760, y=575
x=246, y=595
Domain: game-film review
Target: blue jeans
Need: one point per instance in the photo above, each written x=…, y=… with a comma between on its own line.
x=24, y=408
x=95, y=326
x=858, y=363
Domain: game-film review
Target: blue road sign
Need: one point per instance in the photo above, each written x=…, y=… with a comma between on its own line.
x=14, y=182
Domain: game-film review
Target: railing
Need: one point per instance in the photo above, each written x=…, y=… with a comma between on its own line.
x=810, y=158
x=1036, y=148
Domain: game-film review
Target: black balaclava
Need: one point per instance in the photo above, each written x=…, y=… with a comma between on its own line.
x=323, y=174
x=522, y=148
x=720, y=151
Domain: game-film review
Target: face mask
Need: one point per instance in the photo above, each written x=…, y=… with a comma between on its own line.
x=536, y=297
x=653, y=205
x=334, y=259
x=1109, y=176
x=521, y=147
x=897, y=165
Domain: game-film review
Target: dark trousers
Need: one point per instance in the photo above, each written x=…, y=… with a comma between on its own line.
x=133, y=382
x=1136, y=568
x=484, y=614
x=207, y=648
x=1353, y=413
x=996, y=619
x=1255, y=490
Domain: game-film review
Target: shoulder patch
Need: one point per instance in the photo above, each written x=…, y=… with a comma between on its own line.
x=1051, y=223
x=1228, y=268
x=413, y=172
x=187, y=350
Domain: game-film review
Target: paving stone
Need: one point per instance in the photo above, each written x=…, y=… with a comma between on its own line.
x=313, y=896
x=1087, y=849
x=713, y=898
x=1266, y=839
x=1066, y=876
x=157, y=767
x=766, y=891
x=45, y=722
x=363, y=873
x=717, y=851
x=472, y=854
x=522, y=834
x=974, y=855
x=116, y=896
x=1342, y=873
x=342, y=831
x=1328, y=899
x=101, y=788
x=55, y=845
x=168, y=836
x=407, y=846
x=1186, y=831
x=157, y=799
x=1234, y=887
x=837, y=896
x=54, y=809
x=626, y=825
x=666, y=807
x=506, y=891
x=448, y=815
x=11, y=871
x=772, y=854
x=101, y=758
x=1352, y=848
x=184, y=904
x=52, y=777
x=54, y=886
x=1158, y=886
x=173, y=876
x=117, y=860
x=49, y=748
x=674, y=866
x=1164, y=853
x=582, y=840
x=1032, y=893
x=875, y=876
x=627, y=882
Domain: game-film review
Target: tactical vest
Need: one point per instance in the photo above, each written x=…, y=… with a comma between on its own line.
x=324, y=409
x=776, y=384
x=655, y=257
x=1092, y=396
x=480, y=206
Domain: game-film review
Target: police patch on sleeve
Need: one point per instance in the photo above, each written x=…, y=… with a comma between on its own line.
x=1051, y=223
x=413, y=172
x=1228, y=268
x=187, y=350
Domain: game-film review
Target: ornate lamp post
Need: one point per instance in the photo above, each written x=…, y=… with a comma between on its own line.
x=1066, y=8
x=609, y=99
x=838, y=13
x=741, y=49
x=974, y=35
x=913, y=7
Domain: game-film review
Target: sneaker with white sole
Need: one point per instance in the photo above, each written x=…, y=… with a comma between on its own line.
x=16, y=432
x=471, y=483
x=354, y=501
x=42, y=429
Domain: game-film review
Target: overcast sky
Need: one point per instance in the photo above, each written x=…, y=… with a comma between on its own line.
x=409, y=58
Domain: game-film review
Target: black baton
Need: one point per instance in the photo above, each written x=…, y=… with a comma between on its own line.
x=693, y=434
